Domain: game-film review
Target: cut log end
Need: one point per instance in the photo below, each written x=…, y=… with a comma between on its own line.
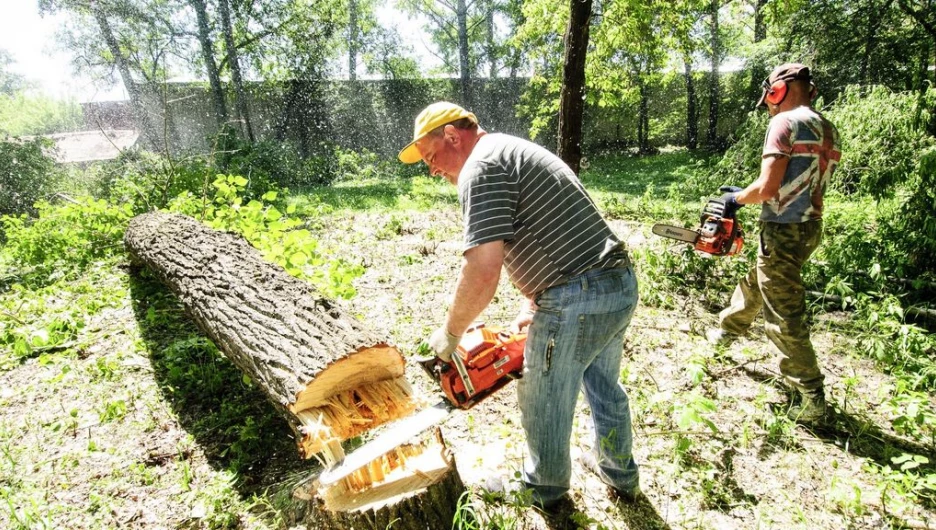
x=350, y=413
x=417, y=483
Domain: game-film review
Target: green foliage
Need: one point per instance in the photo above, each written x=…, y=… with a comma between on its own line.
x=899, y=347
x=277, y=234
x=145, y=180
x=67, y=236
x=22, y=114
x=270, y=163
x=27, y=173
x=882, y=137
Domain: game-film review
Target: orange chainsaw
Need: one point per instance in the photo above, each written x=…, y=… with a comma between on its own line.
x=719, y=232
x=486, y=359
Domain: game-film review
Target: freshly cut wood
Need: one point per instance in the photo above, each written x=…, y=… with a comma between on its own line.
x=416, y=487
x=331, y=377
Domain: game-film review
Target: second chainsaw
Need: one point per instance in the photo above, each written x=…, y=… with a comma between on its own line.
x=719, y=232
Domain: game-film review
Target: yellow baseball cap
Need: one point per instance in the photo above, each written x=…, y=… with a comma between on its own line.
x=435, y=115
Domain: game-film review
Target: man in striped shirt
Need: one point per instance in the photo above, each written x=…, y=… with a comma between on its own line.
x=525, y=211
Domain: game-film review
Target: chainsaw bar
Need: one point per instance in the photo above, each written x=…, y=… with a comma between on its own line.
x=675, y=232
x=398, y=434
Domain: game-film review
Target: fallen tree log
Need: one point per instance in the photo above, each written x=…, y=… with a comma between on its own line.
x=330, y=377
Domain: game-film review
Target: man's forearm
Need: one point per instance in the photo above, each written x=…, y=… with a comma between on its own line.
x=477, y=283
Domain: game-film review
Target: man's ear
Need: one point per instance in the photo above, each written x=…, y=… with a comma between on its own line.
x=450, y=133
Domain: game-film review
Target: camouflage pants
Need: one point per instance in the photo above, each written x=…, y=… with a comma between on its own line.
x=776, y=286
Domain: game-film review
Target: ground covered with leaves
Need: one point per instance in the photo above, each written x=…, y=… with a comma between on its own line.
x=117, y=413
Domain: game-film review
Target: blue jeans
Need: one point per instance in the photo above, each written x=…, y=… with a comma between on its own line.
x=576, y=341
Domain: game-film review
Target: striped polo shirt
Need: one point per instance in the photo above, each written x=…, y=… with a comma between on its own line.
x=513, y=190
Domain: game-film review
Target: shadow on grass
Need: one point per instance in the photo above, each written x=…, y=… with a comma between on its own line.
x=238, y=429
x=861, y=437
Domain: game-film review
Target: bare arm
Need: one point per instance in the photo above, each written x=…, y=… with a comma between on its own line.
x=476, y=285
x=768, y=183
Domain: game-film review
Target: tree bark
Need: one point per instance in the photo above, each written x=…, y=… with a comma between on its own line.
x=240, y=96
x=352, y=39
x=643, y=119
x=758, y=71
x=136, y=98
x=572, y=97
x=308, y=356
x=692, y=112
x=714, y=92
x=464, y=67
x=321, y=368
x=211, y=66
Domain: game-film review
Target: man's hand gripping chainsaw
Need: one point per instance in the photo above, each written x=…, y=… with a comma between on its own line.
x=719, y=232
x=485, y=360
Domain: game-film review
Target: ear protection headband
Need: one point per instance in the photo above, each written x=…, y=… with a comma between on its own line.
x=777, y=91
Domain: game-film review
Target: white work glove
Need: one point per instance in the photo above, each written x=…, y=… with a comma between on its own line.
x=442, y=343
x=524, y=317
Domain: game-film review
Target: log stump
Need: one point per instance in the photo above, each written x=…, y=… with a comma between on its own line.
x=331, y=378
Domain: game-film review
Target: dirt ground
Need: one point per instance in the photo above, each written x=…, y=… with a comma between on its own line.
x=64, y=466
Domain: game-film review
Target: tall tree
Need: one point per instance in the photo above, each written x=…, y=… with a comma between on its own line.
x=924, y=13
x=714, y=80
x=572, y=99
x=233, y=62
x=456, y=27
x=10, y=83
x=680, y=22
x=208, y=58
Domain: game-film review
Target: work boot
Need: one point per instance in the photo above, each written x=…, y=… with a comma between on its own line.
x=720, y=338
x=811, y=408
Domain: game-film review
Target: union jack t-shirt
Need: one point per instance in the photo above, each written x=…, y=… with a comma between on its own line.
x=812, y=144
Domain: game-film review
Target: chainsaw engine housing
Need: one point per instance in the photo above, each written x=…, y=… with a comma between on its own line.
x=486, y=359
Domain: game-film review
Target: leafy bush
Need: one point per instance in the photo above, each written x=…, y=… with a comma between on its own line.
x=21, y=115
x=882, y=137
x=27, y=173
x=274, y=163
x=147, y=181
x=66, y=236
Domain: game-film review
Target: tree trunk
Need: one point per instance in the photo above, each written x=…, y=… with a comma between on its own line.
x=207, y=49
x=461, y=17
x=352, y=40
x=692, y=111
x=758, y=71
x=643, y=119
x=491, y=47
x=301, y=349
x=240, y=96
x=572, y=97
x=330, y=377
x=136, y=98
x=714, y=92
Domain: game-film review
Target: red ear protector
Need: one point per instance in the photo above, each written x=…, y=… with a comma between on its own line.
x=776, y=92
